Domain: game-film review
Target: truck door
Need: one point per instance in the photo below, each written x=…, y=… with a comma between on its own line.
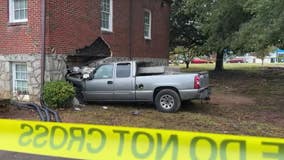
x=101, y=86
x=124, y=87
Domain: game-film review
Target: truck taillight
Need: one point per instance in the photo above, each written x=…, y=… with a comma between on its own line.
x=196, y=82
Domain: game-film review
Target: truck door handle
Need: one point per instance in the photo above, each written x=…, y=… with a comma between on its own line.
x=109, y=82
x=140, y=86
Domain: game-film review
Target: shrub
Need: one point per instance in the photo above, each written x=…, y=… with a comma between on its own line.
x=58, y=94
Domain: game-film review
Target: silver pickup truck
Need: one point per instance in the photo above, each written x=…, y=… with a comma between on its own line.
x=132, y=81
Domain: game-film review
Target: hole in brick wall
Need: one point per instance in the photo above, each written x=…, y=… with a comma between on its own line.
x=99, y=49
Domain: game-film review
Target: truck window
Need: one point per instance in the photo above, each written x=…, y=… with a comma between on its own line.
x=123, y=70
x=104, y=71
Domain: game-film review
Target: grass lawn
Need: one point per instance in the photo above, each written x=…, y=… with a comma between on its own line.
x=247, y=99
x=229, y=66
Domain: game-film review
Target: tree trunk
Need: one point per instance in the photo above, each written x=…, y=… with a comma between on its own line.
x=219, y=61
x=187, y=64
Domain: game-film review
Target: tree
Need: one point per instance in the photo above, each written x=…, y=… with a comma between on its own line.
x=264, y=52
x=264, y=29
x=187, y=54
x=218, y=20
x=228, y=25
x=184, y=35
x=183, y=31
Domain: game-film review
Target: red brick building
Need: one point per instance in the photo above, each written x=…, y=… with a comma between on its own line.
x=76, y=31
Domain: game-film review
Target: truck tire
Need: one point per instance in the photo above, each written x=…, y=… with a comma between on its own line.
x=167, y=100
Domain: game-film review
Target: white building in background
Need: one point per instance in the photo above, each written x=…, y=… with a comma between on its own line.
x=279, y=55
x=253, y=59
x=273, y=57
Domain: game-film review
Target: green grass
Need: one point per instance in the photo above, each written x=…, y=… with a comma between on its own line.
x=228, y=66
x=247, y=99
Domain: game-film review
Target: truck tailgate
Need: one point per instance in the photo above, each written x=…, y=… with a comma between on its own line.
x=204, y=79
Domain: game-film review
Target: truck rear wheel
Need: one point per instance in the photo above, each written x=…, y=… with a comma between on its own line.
x=167, y=100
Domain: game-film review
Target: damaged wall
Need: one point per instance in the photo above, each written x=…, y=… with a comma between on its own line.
x=73, y=25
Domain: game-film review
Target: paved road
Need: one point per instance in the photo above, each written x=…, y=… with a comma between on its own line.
x=20, y=156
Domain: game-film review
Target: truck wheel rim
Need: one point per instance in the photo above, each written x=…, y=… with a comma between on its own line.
x=167, y=101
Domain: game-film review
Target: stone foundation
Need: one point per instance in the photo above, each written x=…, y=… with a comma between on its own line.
x=55, y=70
x=55, y=67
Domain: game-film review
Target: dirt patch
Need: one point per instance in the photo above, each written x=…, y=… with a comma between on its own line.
x=231, y=100
x=12, y=112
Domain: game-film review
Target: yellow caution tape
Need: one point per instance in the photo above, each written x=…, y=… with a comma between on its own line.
x=84, y=141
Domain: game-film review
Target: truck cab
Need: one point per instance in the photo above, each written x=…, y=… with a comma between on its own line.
x=110, y=82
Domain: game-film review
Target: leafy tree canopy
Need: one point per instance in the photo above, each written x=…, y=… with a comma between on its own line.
x=222, y=25
x=264, y=29
x=183, y=31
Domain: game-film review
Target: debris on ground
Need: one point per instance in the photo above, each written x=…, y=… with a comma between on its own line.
x=77, y=109
x=75, y=102
x=136, y=112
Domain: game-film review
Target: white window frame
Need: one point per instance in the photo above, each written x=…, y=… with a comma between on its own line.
x=149, y=36
x=14, y=76
x=12, y=13
x=110, y=22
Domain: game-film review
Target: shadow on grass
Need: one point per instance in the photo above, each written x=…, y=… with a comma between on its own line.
x=196, y=106
x=124, y=105
x=187, y=106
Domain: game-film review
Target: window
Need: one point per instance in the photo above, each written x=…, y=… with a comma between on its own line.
x=147, y=24
x=106, y=15
x=123, y=70
x=18, y=10
x=20, y=78
x=104, y=72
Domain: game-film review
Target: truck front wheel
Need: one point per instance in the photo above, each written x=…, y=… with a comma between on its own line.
x=167, y=100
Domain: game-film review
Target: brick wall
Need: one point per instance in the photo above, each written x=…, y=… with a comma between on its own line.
x=157, y=47
x=76, y=24
x=71, y=24
x=17, y=38
x=119, y=38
